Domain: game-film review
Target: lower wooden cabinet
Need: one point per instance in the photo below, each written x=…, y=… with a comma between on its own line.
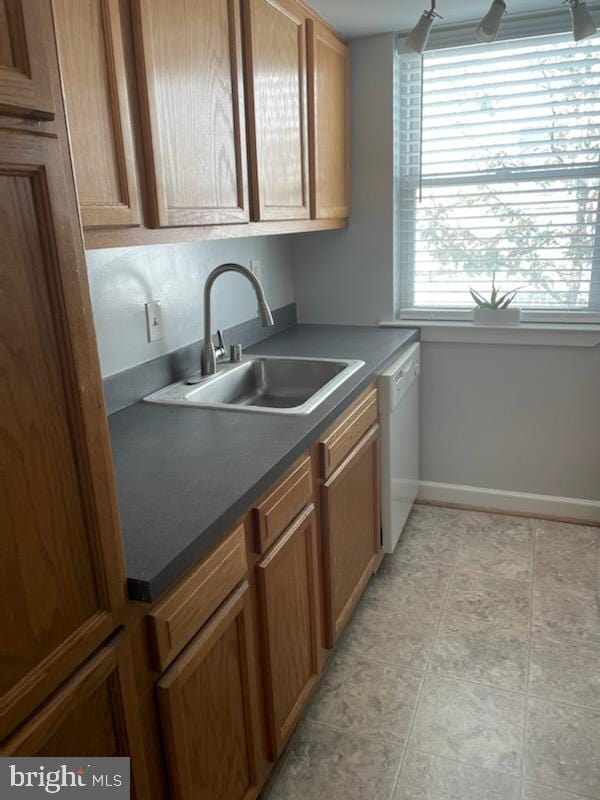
x=92, y=714
x=207, y=710
x=287, y=584
x=350, y=530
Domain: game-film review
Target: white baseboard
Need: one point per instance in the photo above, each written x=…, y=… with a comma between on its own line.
x=516, y=502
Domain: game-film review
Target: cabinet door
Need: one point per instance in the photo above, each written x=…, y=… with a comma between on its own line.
x=329, y=123
x=276, y=78
x=92, y=61
x=61, y=569
x=288, y=612
x=351, y=531
x=93, y=714
x=208, y=712
x=25, y=47
x=190, y=57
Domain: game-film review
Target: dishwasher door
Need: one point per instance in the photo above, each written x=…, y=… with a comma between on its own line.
x=399, y=450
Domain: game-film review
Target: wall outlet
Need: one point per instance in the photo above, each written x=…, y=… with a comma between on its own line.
x=154, y=321
x=255, y=267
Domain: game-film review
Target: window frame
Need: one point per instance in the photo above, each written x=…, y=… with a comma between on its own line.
x=407, y=190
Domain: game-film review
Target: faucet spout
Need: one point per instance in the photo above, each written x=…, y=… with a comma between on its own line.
x=209, y=354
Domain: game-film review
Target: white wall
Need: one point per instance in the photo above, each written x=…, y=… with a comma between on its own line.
x=123, y=279
x=515, y=418
x=519, y=419
x=346, y=275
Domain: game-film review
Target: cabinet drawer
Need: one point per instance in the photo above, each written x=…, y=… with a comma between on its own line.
x=179, y=616
x=283, y=503
x=346, y=431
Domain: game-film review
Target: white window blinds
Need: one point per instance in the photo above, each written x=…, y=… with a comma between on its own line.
x=500, y=172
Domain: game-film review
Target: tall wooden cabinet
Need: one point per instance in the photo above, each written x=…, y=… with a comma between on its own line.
x=328, y=66
x=62, y=584
x=277, y=109
x=192, y=94
x=92, y=62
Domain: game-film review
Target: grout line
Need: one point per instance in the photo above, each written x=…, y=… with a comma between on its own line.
x=530, y=649
x=426, y=672
x=566, y=792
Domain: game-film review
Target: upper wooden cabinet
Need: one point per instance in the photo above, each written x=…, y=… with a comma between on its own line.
x=190, y=58
x=91, y=52
x=93, y=714
x=208, y=710
x=329, y=123
x=275, y=33
x=25, y=47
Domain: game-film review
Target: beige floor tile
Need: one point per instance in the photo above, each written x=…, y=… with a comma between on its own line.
x=508, y=554
x=481, y=652
x=566, y=612
x=486, y=598
x=471, y=724
x=366, y=697
x=426, y=777
x=571, y=567
x=386, y=635
x=562, y=747
x=416, y=590
x=567, y=672
x=324, y=764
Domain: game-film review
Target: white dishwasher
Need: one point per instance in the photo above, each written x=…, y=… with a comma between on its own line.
x=399, y=450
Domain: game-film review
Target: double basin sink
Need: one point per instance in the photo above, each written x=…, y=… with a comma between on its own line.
x=267, y=384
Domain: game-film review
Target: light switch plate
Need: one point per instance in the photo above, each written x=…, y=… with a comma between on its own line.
x=154, y=321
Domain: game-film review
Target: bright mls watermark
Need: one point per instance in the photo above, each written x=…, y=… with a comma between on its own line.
x=64, y=777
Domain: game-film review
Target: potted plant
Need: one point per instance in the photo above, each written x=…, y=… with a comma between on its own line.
x=495, y=310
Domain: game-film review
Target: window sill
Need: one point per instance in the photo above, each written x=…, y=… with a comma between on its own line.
x=527, y=333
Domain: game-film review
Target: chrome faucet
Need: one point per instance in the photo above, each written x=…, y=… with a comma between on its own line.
x=210, y=353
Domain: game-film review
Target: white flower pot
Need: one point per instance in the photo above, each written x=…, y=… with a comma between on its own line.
x=497, y=316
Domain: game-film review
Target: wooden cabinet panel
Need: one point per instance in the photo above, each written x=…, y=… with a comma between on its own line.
x=26, y=38
x=351, y=531
x=179, y=616
x=328, y=61
x=207, y=710
x=93, y=714
x=345, y=432
x=288, y=617
x=190, y=61
x=61, y=571
x=95, y=83
x=274, y=512
x=277, y=111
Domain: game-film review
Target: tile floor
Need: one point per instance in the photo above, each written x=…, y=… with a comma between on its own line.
x=470, y=671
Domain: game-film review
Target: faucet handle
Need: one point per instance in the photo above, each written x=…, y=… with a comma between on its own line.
x=220, y=349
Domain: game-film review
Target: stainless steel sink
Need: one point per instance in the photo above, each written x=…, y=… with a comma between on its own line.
x=267, y=384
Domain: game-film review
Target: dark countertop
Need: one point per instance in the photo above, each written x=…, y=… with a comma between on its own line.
x=184, y=475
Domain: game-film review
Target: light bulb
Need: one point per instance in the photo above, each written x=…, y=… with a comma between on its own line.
x=488, y=28
x=417, y=38
x=583, y=24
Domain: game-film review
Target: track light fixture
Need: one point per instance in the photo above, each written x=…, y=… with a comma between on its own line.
x=488, y=28
x=417, y=38
x=581, y=19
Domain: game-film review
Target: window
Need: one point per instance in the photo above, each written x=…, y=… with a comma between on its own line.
x=500, y=173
